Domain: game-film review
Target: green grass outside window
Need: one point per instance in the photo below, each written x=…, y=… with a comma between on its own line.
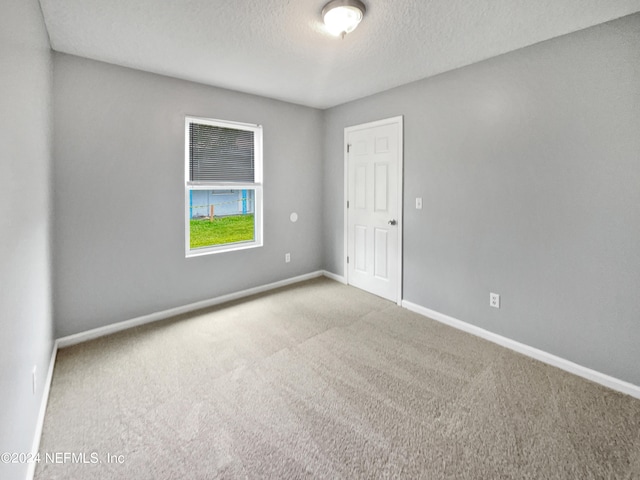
x=232, y=229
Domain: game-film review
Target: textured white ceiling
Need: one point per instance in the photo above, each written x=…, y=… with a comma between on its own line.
x=279, y=48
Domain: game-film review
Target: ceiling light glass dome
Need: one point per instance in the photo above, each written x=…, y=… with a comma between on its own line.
x=343, y=16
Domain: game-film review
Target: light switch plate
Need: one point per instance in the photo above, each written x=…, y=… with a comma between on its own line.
x=418, y=203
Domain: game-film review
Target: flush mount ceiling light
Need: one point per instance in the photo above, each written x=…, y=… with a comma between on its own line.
x=343, y=16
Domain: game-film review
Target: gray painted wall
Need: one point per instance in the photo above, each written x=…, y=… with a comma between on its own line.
x=25, y=285
x=529, y=167
x=119, y=194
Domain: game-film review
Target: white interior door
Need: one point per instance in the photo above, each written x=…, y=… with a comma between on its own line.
x=374, y=207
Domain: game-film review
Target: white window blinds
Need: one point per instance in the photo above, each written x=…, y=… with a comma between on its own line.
x=221, y=154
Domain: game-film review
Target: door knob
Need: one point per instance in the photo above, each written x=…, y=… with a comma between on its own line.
x=392, y=222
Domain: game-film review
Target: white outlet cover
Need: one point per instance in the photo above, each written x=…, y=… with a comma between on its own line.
x=293, y=217
x=418, y=203
x=494, y=300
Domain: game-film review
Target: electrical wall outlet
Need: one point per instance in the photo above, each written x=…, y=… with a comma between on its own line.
x=494, y=300
x=287, y=257
x=418, y=203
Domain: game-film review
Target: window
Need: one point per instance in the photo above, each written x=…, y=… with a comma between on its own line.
x=223, y=186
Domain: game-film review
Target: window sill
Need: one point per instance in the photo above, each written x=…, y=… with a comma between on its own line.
x=231, y=247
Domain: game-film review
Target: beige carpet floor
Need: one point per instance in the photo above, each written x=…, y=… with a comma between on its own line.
x=321, y=380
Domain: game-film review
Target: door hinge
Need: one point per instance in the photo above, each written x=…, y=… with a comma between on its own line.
x=347, y=259
x=348, y=147
x=347, y=203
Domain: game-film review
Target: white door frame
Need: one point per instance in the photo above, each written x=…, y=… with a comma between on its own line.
x=399, y=121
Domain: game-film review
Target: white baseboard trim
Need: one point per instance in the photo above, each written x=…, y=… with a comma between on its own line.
x=31, y=469
x=545, y=357
x=333, y=276
x=172, y=312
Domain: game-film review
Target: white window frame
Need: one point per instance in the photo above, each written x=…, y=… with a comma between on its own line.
x=256, y=186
